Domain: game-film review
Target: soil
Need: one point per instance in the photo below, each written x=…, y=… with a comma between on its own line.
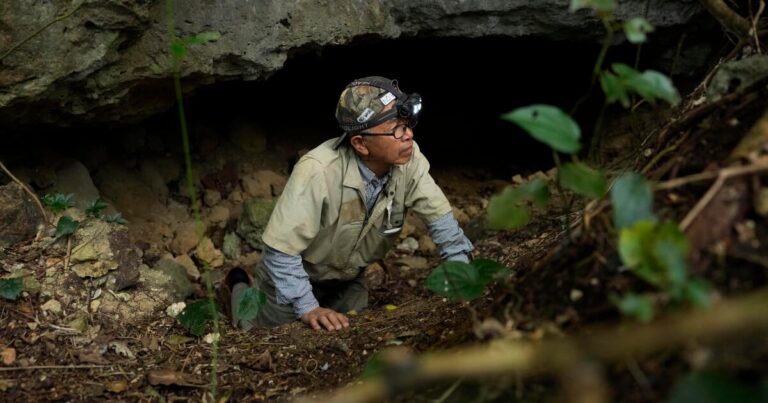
x=563, y=275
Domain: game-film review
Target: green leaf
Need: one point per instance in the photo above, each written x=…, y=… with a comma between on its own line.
x=456, y=281
x=374, y=366
x=116, y=218
x=635, y=306
x=597, y=5
x=196, y=316
x=202, y=37
x=632, y=200
x=636, y=29
x=66, y=226
x=488, y=270
x=614, y=89
x=11, y=288
x=250, y=303
x=583, y=180
x=698, y=292
x=504, y=211
x=650, y=84
x=178, y=49
x=536, y=190
x=94, y=208
x=549, y=125
x=703, y=387
x=656, y=253
x=59, y=202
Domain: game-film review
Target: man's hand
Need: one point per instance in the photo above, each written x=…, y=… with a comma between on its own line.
x=328, y=318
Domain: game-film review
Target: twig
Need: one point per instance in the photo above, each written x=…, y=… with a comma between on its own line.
x=69, y=253
x=729, y=172
x=727, y=17
x=754, y=21
x=2, y=369
x=725, y=320
x=26, y=189
x=724, y=174
x=449, y=392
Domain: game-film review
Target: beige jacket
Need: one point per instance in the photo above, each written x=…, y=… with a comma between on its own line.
x=321, y=213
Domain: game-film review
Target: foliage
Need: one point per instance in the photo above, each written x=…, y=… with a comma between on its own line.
x=463, y=281
x=632, y=200
x=650, y=84
x=636, y=29
x=196, y=316
x=597, y=5
x=583, y=179
x=66, y=226
x=180, y=46
x=707, y=387
x=635, y=306
x=116, y=218
x=94, y=208
x=507, y=210
x=249, y=304
x=11, y=288
x=548, y=124
x=59, y=202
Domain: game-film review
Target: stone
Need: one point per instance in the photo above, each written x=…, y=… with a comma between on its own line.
x=207, y=252
x=189, y=265
x=150, y=175
x=253, y=221
x=374, y=275
x=169, y=277
x=249, y=260
x=211, y=197
x=427, y=246
x=409, y=245
x=263, y=184
x=100, y=248
x=19, y=215
x=736, y=75
x=236, y=196
x=460, y=215
x=231, y=247
x=73, y=177
x=218, y=214
x=517, y=179
x=52, y=306
x=103, y=58
x=185, y=238
x=761, y=202
x=414, y=262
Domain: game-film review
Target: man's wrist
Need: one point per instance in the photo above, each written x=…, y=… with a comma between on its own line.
x=458, y=257
x=305, y=304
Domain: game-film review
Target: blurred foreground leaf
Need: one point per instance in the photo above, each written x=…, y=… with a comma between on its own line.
x=703, y=387
x=635, y=306
x=548, y=124
x=250, y=303
x=583, y=179
x=636, y=29
x=11, y=288
x=632, y=200
x=196, y=316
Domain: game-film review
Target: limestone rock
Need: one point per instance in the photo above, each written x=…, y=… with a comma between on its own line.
x=231, y=247
x=189, y=265
x=374, y=275
x=460, y=215
x=426, y=245
x=208, y=253
x=19, y=215
x=169, y=278
x=100, y=248
x=218, y=215
x=211, y=197
x=52, y=306
x=414, y=262
x=264, y=184
x=254, y=220
x=409, y=245
x=185, y=238
x=73, y=177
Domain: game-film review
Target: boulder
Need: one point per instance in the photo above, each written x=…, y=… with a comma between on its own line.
x=73, y=177
x=19, y=215
x=206, y=252
x=185, y=238
x=253, y=221
x=102, y=248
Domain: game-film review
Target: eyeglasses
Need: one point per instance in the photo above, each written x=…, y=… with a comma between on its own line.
x=398, y=132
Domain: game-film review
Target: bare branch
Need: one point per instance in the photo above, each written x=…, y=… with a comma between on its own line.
x=727, y=17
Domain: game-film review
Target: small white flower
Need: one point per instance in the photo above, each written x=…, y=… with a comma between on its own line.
x=174, y=310
x=211, y=338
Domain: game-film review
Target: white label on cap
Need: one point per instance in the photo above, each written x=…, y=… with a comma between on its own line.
x=367, y=114
x=386, y=98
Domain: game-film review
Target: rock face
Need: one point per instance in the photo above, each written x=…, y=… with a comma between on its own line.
x=106, y=60
x=19, y=216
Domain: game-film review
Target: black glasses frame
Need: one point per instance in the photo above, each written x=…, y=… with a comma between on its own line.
x=393, y=133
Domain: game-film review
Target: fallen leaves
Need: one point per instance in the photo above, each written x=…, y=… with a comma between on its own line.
x=8, y=355
x=170, y=377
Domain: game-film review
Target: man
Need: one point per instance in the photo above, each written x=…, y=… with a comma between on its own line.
x=343, y=207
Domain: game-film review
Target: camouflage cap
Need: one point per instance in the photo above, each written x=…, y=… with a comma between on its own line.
x=363, y=100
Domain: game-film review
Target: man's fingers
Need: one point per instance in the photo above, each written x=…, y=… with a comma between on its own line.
x=344, y=320
x=313, y=323
x=327, y=323
x=335, y=320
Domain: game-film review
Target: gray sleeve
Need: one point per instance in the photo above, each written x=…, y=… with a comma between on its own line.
x=449, y=237
x=291, y=281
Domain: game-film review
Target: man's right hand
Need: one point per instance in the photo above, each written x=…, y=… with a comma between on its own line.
x=324, y=317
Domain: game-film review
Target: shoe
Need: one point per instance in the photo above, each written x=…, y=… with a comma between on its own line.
x=234, y=276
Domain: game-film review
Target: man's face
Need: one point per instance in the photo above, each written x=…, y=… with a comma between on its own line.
x=388, y=149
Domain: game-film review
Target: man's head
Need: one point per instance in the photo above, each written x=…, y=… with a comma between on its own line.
x=378, y=118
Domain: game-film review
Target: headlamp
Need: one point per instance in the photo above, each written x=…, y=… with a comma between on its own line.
x=408, y=107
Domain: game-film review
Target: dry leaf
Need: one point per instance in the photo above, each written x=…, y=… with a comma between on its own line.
x=9, y=355
x=6, y=384
x=121, y=349
x=116, y=386
x=171, y=377
x=263, y=361
x=92, y=356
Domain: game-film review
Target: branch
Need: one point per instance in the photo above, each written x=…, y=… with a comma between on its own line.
x=727, y=17
x=727, y=319
x=29, y=192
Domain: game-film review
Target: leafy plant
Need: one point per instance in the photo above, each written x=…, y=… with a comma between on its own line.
x=196, y=316
x=508, y=210
x=11, y=288
x=464, y=281
x=583, y=179
x=116, y=218
x=95, y=207
x=639, y=307
x=250, y=303
x=180, y=46
x=66, y=226
x=548, y=124
x=59, y=202
x=636, y=29
x=624, y=80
